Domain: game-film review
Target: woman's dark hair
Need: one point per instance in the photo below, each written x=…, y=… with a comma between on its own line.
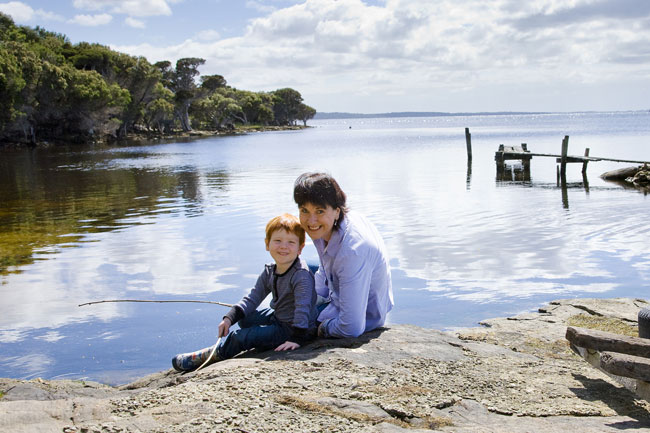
x=319, y=189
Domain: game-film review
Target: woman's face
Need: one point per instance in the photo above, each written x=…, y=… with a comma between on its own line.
x=318, y=221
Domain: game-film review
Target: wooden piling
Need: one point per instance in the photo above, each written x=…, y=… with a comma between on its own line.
x=563, y=157
x=468, y=141
x=584, y=164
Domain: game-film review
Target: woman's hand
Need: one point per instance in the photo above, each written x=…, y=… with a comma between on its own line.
x=287, y=345
x=224, y=327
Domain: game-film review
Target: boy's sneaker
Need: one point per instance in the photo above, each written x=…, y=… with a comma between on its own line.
x=192, y=361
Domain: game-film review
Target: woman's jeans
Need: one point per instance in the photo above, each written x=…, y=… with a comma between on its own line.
x=259, y=330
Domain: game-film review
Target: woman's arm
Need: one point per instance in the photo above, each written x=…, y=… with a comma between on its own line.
x=320, y=281
x=354, y=273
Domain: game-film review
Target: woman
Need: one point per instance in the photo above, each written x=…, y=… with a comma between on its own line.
x=354, y=274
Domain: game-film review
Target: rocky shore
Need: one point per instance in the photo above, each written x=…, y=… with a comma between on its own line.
x=509, y=375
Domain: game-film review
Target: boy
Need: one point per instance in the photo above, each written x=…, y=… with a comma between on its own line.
x=291, y=320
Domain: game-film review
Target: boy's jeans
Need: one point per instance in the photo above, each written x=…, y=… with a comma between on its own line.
x=259, y=330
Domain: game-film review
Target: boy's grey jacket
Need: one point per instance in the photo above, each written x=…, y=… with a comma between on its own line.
x=293, y=302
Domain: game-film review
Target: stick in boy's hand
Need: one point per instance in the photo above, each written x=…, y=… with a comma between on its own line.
x=224, y=327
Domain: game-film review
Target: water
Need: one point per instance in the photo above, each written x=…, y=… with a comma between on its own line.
x=185, y=220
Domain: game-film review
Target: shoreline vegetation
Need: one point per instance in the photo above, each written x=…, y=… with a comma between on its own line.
x=515, y=374
x=153, y=136
x=53, y=92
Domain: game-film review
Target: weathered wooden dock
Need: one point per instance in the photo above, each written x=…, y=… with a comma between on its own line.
x=521, y=153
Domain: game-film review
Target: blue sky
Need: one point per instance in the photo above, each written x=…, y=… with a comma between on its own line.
x=386, y=55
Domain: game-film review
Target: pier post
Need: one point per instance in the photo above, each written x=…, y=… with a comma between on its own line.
x=468, y=140
x=565, y=150
x=584, y=164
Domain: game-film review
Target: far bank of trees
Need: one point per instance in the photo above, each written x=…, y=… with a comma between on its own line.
x=51, y=89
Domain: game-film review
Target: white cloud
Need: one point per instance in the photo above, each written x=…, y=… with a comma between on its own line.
x=21, y=13
x=91, y=20
x=207, y=35
x=132, y=22
x=17, y=10
x=444, y=51
x=48, y=16
x=134, y=8
x=259, y=6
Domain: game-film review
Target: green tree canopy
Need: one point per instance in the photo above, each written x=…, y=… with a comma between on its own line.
x=50, y=88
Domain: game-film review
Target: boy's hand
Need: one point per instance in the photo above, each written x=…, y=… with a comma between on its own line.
x=224, y=327
x=287, y=345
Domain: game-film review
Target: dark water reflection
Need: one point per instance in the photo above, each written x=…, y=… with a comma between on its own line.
x=185, y=220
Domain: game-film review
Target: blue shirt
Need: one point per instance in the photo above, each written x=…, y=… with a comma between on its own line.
x=354, y=274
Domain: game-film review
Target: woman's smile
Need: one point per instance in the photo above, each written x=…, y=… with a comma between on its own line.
x=318, y=221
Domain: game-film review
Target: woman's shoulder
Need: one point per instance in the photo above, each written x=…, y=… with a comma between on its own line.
x=360, y=232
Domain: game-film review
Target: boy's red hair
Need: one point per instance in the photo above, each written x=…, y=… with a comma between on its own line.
x=287, y=222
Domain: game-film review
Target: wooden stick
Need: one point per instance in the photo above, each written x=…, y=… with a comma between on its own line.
x=468, y=142
x=214, y=349
x=165, y=301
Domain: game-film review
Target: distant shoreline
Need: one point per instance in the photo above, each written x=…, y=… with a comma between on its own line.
x=344, y=115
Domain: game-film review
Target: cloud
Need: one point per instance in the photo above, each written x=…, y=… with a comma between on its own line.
x=17, y=10
x=207, y=35
x=259, y=6
x=91, y=20
x=133, y=8
x=132, y=22
x=588, y=11
x=21, y=12
x=442, y=51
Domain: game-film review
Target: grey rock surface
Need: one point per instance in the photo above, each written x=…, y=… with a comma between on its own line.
x=510, y=375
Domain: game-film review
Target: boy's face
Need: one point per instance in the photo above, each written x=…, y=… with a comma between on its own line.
x=284, y=247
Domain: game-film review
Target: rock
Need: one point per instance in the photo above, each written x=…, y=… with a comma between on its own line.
x=511, y=375
x=640, y=178
x=621, y=173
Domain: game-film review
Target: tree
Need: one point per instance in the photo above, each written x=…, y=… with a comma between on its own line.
x=11, y=85
x=256, y=107
x=286, y=103
x=159, y=112
x=185, y=89
x=93, y=104
x=212, y=82
x=141, y=79
x=305, y=112
x=217, y=110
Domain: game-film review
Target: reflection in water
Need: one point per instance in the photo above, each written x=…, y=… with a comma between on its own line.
x=53, y=200
x=186, y=220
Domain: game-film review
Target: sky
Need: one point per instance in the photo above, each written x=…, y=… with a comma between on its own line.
x=377, y=56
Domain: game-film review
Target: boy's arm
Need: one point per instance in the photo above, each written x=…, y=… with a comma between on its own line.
x=250, y=302
x=302, y=285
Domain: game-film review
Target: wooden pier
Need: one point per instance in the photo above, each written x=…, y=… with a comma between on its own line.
x=521, y=153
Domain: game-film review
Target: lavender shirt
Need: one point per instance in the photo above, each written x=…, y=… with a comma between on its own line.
x=355, y=275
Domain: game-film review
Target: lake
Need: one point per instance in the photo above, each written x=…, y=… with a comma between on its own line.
x=184, y=220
